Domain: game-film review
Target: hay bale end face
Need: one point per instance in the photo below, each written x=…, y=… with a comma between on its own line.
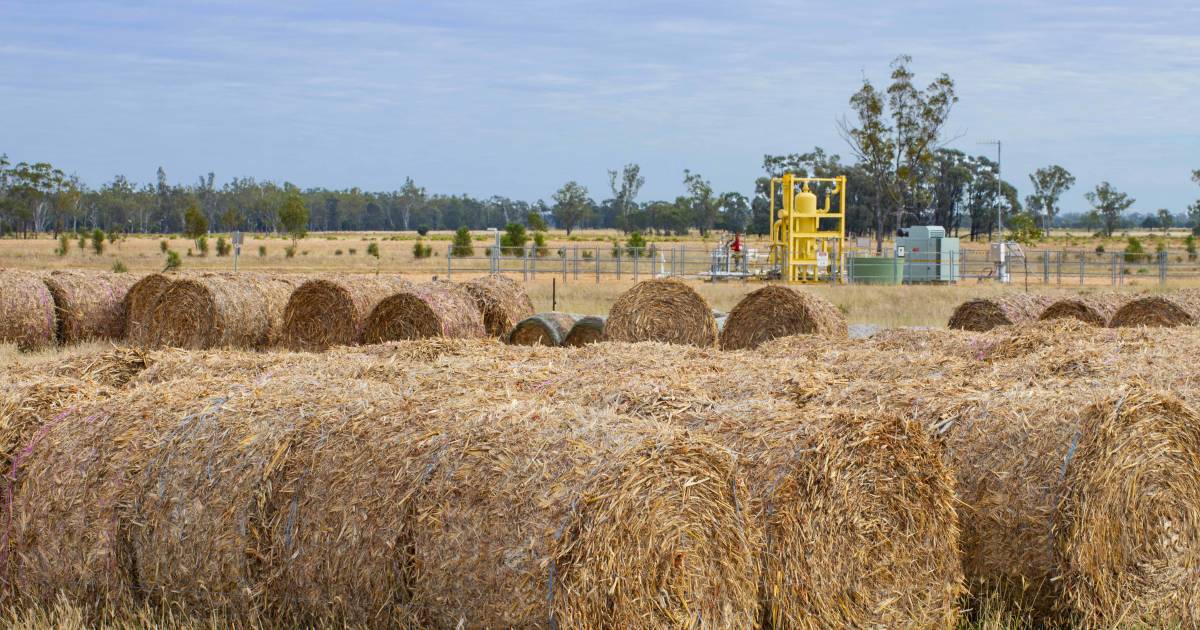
x=431, y=309
x=982, y=315
x=89, y=305
x=1168, y=310
x=586, y=330
x=1096, y=310
x=26, y=310
x=140, y=301
x=502, y=301
x=333, y=311
x=543, y=329
x=665, y=310
x=221, y=311
x=778, y=311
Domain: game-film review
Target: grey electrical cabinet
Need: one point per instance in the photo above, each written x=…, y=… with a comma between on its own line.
x=929, y=255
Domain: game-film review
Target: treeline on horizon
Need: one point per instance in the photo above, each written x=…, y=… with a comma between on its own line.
x=902, y=174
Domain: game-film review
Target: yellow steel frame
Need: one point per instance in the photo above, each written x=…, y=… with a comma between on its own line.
x=797, y=237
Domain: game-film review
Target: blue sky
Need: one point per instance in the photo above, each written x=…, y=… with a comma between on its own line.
x=514, y=98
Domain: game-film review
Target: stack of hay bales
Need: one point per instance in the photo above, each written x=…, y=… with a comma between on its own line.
x=502, y=301
x=1093, y=309
x=777, y=311
x=431, y=309
x=543, y=329
x=1178, y=308
x=219, y=310
x=585, y=330
x=89, y=305
x=332, y=311
x=315, y=500
x=140, y=301
x=984, y=314
x=26, y=310
x=665, y=310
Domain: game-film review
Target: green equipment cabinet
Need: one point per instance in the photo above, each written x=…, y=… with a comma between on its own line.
x=930, y=256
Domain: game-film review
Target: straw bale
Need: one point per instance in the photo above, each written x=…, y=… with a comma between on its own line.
x=89, y=305
x=26, y=310
x=665, y=310
x=1177, y=308
x=431, y=309
x=1128, y=522
x=1096, y=309
x=584, y=331
x=332, y=311
x=962, y=343
x=139, y=304
x=778, y=311
x=984, y=314
x=502, y=301
x=221, y=310
x=543, y=329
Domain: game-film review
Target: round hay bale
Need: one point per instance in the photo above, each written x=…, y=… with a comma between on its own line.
x=89, y=305
x=1096, y=310
x=1168, y=310
x=1128, y=522
x=221, y=311
x=778, y=311
x=140, y=301
x=431, y=309
x=984, y=314
x=26, y=310
x=584, y=331
x=502, y=301
x=665, y=310
x=543, y=329
x=333, y=311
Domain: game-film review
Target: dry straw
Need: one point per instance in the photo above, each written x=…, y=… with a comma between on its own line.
x=1178, y=308
x=1093, y=309
x=665, y=310
x=543, y=329
x=502, y=301
x=586, y=330
x=140, y=301
x=89, y=305
x=332, y=311
x=984, y=314
x=431, y=309
x=221, y=310
x=26, y=310
x=777, y=311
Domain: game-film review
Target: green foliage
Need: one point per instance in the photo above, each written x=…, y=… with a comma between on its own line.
x=98, y=241
x=337, y=252
x=64, y=245
x=1049, y=184
x=636, y=241
x=352, y=251
x=421, y=250
x=1108, y=203
x=262, y=251
x=194, y=222
x=462, y=245
x=289, y=251
x=535, y=221
x=119, y=267
x=1160, y=246
x=1023, y=229
x=173, y=261
x=571, y=206
x=539, y=244
x=423, y=230
x=293, y=216
x=112, y=237
x=1134, y=252
x=373, y=250
x=1189, y=243
x=586, y=254
x=513, y=241
x=1100, y=249
x=163, y=246
x=202, y=245
x=223, y=246
x=82, y=242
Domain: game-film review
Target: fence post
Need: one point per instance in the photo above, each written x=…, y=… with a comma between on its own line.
x=618, y=263
x=1082, y=267
x=596, y=255
x=575, y=261
x=449, y=262
x=1162, y=268
x=1058, y=267
x=637, y=254
x=563, y=253
x=1045, y=268
x=525, y=266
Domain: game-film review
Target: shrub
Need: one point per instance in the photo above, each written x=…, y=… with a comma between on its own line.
x=1100, y=249
x=514, y=239
x=202, y=245
x=422, y=230
x=1134, y=252
x=462, y=246
x=64, y=245
x=173, y=261
x=373, y=250
x=539, y=243
x=337, y=252
x=98, y=241
x=163, y=246
x=586, y=254
x=119, y=267
x=112, y=237
x=421, y=250
x=189, y=252
x=262, y=251
x=535, y=221
x=1190, y=244
x=223, y=246
x=82, y=242
x=289, y=251
x=352, y=251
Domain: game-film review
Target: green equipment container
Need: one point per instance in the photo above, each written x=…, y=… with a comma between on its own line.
x=875, y=270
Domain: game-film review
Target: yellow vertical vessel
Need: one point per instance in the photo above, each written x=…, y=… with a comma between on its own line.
x=807, y=241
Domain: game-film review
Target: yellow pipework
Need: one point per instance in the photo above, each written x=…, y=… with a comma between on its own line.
x=803, y=251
